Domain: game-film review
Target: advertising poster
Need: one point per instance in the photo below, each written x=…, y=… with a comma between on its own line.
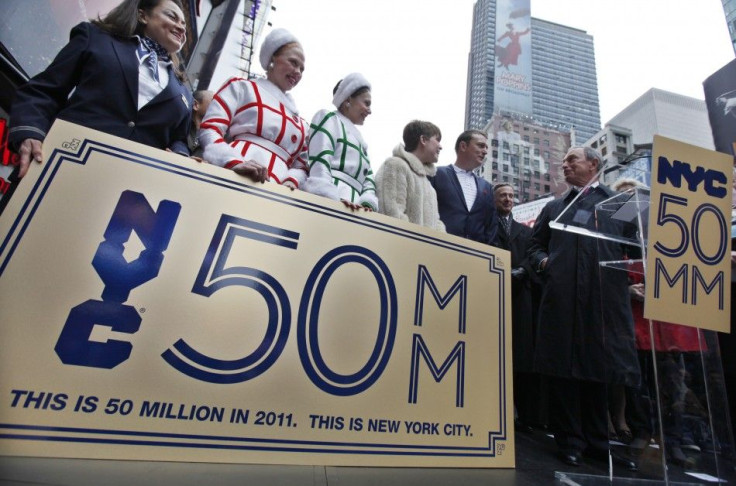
x=513, y=81
x=528, y=212
x=720, y=98
x=154, y=308
x=688, y=252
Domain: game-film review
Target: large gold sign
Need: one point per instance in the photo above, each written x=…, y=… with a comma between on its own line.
x=688, y=251
x=155, y=308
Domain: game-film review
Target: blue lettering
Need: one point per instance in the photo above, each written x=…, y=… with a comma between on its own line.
x=419, y=349
x=215, y=274
x=308, y=320
x=660, y=270
x=674, y=173
x=154, y=228
x=699, y=279
x=459, y=287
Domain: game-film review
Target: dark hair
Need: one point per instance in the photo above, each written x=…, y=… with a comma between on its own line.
x=466, y=136
x=415, y=129
x=123, y=21
x=498, y=186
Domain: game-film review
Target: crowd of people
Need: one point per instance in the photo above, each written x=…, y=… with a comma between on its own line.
x=581, y=367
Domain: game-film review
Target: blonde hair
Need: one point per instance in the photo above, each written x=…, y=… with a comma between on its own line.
x=625, y=181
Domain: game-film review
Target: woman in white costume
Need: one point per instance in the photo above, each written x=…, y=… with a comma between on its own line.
x=338, y=156
x=253, y=126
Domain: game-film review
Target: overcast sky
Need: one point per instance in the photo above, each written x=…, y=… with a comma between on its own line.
x=415, y=54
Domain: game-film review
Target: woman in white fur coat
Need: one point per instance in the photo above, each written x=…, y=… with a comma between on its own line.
x=338, y=156
x=253, y=126
x=404, y=190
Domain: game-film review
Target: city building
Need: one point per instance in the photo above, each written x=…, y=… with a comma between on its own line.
x=525, y=154
x=729, y=8
x=551, y=75
x=626, y=141
x=481, y=63
x=564, y=81
x=638, y=165
x=668, y=114
x=614, y=143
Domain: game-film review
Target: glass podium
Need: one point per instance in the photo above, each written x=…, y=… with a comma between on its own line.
x=672, y=417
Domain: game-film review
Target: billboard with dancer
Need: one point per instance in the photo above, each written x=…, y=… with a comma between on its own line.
x=513, y=87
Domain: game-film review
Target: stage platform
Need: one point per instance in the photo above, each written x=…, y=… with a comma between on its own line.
x=536, y=465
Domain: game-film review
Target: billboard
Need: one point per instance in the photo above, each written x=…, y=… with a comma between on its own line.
x=720, y=98
x=155, y=308
x=513, y=57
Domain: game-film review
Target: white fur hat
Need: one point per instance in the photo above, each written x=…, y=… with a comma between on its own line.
x=349, y=85
x=277, y=38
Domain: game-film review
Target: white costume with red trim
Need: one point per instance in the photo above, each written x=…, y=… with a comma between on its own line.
x=262, y=124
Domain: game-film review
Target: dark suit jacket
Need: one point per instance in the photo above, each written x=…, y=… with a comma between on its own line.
x=523, y=310
x=103, y=72
x=477, y=223
x=585, y=329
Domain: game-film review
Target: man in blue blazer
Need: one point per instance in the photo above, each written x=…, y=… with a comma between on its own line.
x=465, y=200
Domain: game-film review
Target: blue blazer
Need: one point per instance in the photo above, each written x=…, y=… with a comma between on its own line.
x=479, y=222
x=103, y=72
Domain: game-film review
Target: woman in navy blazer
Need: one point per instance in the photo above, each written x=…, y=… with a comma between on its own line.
x=108, y=69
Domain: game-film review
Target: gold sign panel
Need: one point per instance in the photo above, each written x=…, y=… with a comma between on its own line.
x=688, y=251
x=154, y=308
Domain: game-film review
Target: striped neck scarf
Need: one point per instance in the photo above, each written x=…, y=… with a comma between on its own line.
x=156, y=50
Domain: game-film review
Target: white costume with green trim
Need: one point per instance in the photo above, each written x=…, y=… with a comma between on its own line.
x=338, y=161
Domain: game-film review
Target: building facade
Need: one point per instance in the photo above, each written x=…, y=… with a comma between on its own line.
x=668, y=114
x=525, y=154
x=481, y=65
x=729, y=8
x=614, y=144
x=563, y=82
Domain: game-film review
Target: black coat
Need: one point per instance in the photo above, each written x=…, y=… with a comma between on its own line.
x=477, y=223
x=102, y=72
x=585, y=328
x=523, y=312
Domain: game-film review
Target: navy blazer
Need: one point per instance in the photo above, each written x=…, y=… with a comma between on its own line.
x=479, y=222
x=102, y=70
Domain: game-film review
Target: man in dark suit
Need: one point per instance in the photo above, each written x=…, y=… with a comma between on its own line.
x=582, y=343
x=516, y=238
x=465, y=200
